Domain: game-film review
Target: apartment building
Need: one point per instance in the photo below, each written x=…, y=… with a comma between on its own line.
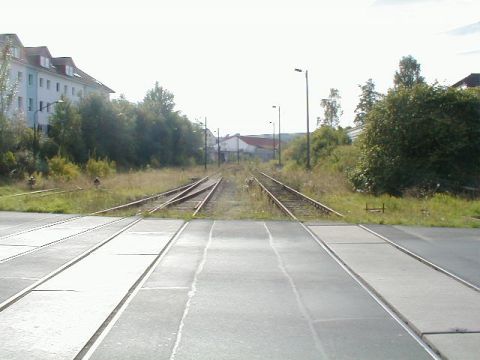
x=42, y=79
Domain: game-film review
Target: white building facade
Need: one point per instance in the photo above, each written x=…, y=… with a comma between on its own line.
x=42, y=79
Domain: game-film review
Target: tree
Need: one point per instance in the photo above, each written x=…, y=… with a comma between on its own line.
x=324, y=140
x=408, y=74
x=332, y=109
x=7, y=89
x=104, y=131
x=424, y=136
x=66, y=131
x=368, y=98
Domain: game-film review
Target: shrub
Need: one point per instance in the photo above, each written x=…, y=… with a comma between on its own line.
x=62, y=169
x=100, y=168
x=420, y=137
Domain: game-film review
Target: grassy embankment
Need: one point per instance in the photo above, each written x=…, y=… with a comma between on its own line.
x=322, y=183
x=114, y=190
x=332, y=188
x=238, y=202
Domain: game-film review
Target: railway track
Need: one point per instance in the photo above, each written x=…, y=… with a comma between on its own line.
x=293, y=203
x=192, y=200
x=12, y=239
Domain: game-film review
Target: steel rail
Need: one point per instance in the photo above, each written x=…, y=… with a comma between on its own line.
x=399, y=318
x=207, y=198
x=75, y=217
x=144, y=200
x=179, y=195
x=315, y=203
x=61, y=192
x=423, y=260
x=28, y=193
x=13, y=299
x=276, y=201
x=95, y=340
x=190, y=196
x=60, y=240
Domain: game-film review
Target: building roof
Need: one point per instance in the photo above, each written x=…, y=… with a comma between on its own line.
x=472, y=80
x=30, y=56
x=263, y=143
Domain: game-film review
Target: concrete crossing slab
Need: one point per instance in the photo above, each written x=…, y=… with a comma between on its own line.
x=57, y=319
x=456, y=250
x=333, y=234
x=253, y=290
x=457, y=346
x=12, y=222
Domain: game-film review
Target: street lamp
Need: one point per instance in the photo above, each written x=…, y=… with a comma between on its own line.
x=218, y=146
x=35, y=126
x=308, y=118
x=273, y=123
x=238, y=148
x=205, y=146
x=279, y=136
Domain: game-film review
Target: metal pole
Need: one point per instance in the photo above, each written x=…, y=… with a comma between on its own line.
x=238, y=149
x=34, y=138
x=205, y=149
x=279, y=140
x=273, y=123
x=218, y=145
x=308, y=123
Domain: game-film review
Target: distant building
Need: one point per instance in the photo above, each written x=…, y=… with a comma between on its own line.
x=42, y=79
x=472, y=80
x=354, y=132
x=247, y=146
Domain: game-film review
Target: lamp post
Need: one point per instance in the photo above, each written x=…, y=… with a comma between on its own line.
x=238, y=149
x=218, y=146
x=308, y=118
x=205, y=143
x=279, y=136
x=273, y=123
x=35, y=126
x=205, y=135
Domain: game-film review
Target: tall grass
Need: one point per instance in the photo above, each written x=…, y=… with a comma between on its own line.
x=112, y=191
x=328, y=183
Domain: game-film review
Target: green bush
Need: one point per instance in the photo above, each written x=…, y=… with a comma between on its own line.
x=62, y=169
x=322, y=142
x=7, y=162
x=424, y=136
x=100, y=168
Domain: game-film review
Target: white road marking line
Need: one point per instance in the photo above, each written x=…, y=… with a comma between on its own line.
x=165, y=288
x=114, y=320
x=301, y=306
x=191, y=294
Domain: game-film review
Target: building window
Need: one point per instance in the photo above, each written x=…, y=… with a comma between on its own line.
x=20, y=103
x=40, y=82
x=30, y=79
x=45, y=62
x=20, y=76
x=41, y=106
x=73, y=91
x=58, y=86
x=30, y=104
x=48, y=107
x=69, y=70
x=65, y=89
x=15, y=52
x=48, y=84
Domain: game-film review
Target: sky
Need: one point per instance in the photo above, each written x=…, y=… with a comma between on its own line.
x=231, y=61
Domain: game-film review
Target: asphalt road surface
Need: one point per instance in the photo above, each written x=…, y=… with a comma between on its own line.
x=112, y=288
